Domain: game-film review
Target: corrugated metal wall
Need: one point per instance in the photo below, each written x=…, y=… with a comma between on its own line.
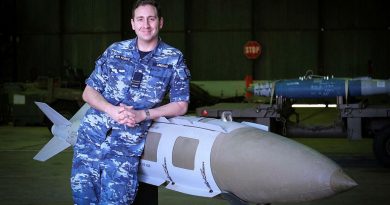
x=330, y=37
x=288, y=31
x=89, y=27
x=219, y=30
x=37, y=37
x=356, y=32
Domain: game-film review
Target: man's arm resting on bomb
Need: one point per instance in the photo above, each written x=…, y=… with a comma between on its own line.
x=124, y=114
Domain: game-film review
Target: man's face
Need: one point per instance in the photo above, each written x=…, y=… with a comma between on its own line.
x=146, y=23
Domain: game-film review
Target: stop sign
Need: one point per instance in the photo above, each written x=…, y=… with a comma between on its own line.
x=252, y=49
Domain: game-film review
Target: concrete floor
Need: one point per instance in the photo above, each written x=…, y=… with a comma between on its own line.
x=24, y=181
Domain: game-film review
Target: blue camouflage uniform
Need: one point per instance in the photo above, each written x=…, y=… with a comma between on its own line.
x=106, y=155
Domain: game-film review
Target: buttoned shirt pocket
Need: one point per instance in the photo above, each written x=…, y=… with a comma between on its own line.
x=117, y=87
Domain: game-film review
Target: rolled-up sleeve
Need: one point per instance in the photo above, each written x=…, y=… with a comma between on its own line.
x=180, y=82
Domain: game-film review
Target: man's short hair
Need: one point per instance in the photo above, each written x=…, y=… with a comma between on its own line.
x=147, y=2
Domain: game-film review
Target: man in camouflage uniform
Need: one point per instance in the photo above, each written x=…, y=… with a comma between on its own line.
x=125, y=91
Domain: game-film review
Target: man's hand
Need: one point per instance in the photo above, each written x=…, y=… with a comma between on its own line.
x=126, y=115
x=122, y=114
x=135, y=116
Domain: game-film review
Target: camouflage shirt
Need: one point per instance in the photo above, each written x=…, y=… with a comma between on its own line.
x=122, y=76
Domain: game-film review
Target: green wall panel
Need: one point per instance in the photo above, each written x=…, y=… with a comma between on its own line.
x=221, y=15
x=38, y=55
x=347, y=53
x=37, y=16
x=356, y=14
x=287, y=54
x=92, y=16
x=285, y=14
x=219, y=56
x=174, y=15
x=328, y=36
x=81, y=51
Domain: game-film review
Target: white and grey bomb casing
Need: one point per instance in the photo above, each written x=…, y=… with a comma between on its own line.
x=211, y=157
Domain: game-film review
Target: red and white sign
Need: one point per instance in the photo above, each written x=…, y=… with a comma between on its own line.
x=252, y=49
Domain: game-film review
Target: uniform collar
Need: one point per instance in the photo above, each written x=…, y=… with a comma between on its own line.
x=152, y=53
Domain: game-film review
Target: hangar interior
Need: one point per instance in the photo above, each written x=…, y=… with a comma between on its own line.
x=49, y=47
x=339, y=38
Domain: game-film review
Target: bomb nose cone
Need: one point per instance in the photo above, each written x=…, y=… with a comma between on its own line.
x=262, y=167
x=340, y=182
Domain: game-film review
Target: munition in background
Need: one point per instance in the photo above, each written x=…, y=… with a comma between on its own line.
x=323, y=87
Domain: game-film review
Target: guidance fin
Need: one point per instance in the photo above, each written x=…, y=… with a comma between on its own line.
x=53, y=147
x=53, y=115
